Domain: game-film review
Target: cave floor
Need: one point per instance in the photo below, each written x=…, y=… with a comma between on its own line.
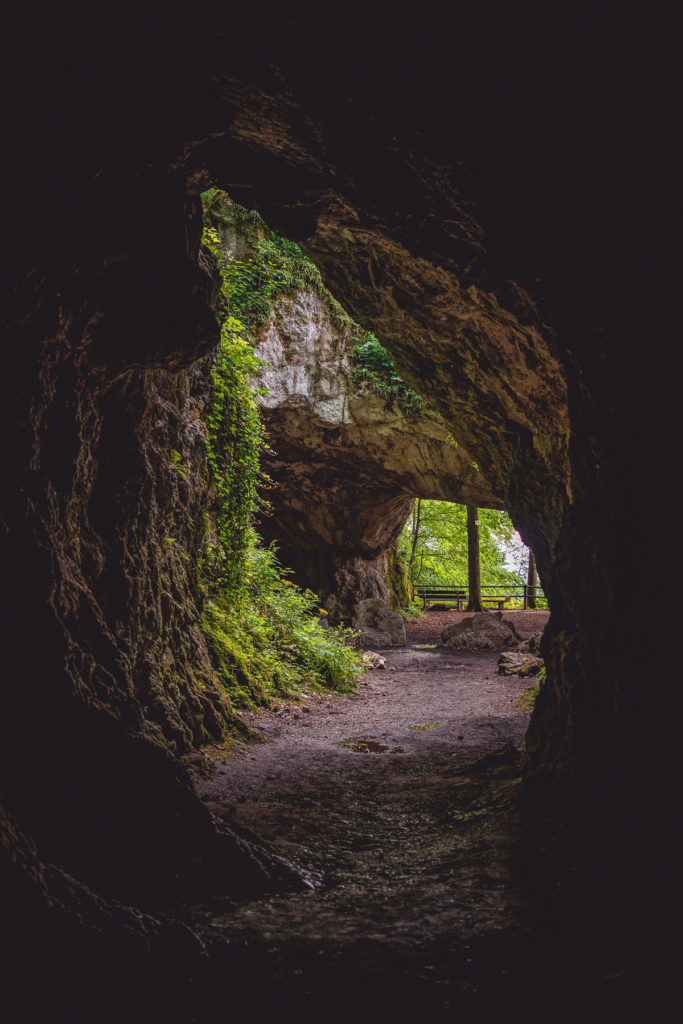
x=401, y=804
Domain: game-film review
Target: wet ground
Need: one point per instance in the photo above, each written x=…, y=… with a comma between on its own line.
x=401, y=803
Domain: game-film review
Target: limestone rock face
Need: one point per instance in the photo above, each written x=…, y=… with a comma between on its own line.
x=315, y=409
x=346, y=466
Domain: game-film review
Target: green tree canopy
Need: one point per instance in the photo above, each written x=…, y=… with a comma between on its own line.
x=436, y=538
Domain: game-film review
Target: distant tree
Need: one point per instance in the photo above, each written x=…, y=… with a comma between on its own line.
x=434, y=545
x=415, y=520
x=473, y=561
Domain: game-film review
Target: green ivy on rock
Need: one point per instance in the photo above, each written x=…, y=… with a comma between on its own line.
x=374, y=367
x=265, y=635
x=235, y=440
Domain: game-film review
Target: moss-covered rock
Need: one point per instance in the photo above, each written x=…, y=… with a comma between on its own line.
x=400, y=589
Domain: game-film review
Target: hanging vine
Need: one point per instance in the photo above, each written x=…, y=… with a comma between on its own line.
x=235, y=441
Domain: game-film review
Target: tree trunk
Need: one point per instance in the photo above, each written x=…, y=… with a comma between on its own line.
x=415, y=527
x=532, y=581
x=473, y=572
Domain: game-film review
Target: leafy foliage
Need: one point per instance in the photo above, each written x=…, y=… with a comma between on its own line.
x=263, y=632
x=374, y=367
x=235, y=439
x=270, y=642
x=276, y=267
x=436, y=537
x=433, y=547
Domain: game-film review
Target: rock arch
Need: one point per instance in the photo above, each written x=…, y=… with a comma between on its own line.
x=344, y=462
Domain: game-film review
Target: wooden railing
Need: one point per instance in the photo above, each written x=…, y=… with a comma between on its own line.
x=498, y=594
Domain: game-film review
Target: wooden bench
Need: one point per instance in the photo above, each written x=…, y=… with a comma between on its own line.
x=499, y=602
x=429, y=594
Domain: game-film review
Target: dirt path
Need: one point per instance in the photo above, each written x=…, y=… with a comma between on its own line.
x=408, y=848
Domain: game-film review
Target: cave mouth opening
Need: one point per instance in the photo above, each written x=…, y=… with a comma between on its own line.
x=447, y=546
x=118, y=677
x=134, y=576
x=348, y=444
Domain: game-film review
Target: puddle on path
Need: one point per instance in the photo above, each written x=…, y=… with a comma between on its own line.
x=362, y=745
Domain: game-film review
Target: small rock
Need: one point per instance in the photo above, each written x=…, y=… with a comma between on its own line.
x=373, y=660
x=518, y=663
x=532, y=645
x=370, y=638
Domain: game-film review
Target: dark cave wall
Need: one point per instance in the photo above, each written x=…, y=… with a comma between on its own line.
x=431, y=232
x=109, y=519
x=106, y=674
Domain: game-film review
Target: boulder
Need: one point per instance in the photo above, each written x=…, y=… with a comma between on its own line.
x=371, y=638
x=519, y=663
x=375, y=614
x=532, y=645
x=484, y=631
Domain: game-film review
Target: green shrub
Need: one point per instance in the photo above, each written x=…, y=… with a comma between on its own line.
x=235, y=440
x=411, y=612
x=270, y=642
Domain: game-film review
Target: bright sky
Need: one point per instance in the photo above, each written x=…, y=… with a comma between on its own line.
x=516, y=555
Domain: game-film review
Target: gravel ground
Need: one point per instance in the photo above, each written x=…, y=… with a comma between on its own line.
x=383, y=799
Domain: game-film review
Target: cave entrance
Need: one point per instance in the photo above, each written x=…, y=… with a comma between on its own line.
x=502, y=280
x=344, y=443
x=452, y=555
x=344, y=543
